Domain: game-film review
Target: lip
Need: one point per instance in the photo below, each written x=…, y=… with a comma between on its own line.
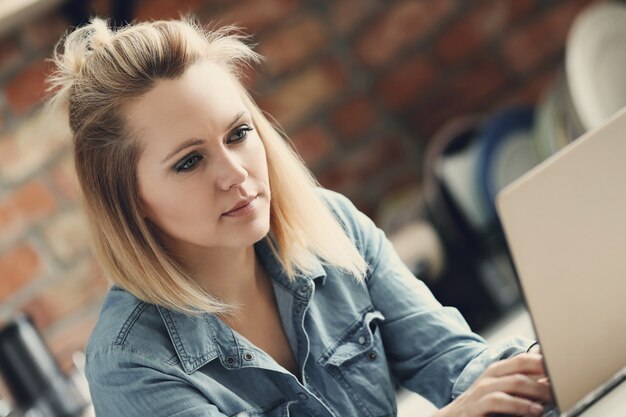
x=242, y=206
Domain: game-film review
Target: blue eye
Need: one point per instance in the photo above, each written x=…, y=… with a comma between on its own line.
x=240, y=134
x=188, y=163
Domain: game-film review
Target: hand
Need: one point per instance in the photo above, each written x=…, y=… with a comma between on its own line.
x=514, y=386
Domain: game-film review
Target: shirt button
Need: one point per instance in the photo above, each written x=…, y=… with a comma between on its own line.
x=248, y=356
x=362, y=340
x=230, y=360
x=303, y=396
x=372, y=356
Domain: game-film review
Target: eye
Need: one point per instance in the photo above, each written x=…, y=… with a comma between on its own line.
x=188, y=163
x=240, y=134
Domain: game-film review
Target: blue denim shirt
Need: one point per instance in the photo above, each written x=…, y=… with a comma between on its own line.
x=353, y=342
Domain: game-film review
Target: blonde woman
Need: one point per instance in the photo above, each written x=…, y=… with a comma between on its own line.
x=240, y=286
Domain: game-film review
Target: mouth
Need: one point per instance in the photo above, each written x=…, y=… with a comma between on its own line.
x=243, y=207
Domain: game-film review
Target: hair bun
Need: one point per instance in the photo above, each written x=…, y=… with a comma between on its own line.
x=70, y=55
x=101, y=35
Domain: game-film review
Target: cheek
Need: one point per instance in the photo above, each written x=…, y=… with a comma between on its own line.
x=167, y=203
x=260, y=160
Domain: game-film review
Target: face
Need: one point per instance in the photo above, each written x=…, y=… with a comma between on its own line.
x=202, y=173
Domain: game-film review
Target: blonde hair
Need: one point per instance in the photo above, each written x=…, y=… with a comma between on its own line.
x=99, y=70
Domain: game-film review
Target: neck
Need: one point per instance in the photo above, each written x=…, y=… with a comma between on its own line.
x=233, y=275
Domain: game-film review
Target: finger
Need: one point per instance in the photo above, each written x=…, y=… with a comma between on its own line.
x=520, y=385
x=525, y=363
x=500, y=402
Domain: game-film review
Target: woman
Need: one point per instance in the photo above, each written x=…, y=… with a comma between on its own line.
x=240, y=287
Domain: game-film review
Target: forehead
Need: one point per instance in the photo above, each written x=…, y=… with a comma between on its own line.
x=204, y=98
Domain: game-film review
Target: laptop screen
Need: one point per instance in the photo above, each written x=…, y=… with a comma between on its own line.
x=565, y=223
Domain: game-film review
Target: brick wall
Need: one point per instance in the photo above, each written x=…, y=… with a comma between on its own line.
x=359, y=85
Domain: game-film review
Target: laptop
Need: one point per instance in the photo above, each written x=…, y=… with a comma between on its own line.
x=565, y=223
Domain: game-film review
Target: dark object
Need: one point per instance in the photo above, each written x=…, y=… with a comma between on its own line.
x=32, y=375
x=79, y=11
x=476, y=260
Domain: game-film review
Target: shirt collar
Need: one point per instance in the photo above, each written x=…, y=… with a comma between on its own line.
x=275, y=269
x=202, y=338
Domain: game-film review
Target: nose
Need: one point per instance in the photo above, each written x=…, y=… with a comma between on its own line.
x=230, y=172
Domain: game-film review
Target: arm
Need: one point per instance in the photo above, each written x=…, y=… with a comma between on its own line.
x=123, y=383
x=430, y=348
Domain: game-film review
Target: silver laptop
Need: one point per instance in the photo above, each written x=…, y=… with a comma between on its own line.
x=565, y=223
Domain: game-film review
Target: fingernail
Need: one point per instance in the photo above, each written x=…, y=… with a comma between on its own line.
x=536, y=408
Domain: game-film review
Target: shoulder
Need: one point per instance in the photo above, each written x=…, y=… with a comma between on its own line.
x=127, y=324
x=339, y=204
x=357, y=225
x=343, y=209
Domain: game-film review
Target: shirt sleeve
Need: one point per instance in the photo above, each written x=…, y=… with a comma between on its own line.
x=124, y=383
x=430, y=348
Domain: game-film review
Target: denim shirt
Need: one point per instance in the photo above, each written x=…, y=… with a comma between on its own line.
x=352, y=342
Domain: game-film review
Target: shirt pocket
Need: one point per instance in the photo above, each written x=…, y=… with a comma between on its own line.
x=357, y=362
x=281, y=410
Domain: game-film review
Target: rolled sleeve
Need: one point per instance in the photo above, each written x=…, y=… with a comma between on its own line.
x=477, y=365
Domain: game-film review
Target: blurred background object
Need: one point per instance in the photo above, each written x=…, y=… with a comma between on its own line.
x=33, y=377
x=418, y=111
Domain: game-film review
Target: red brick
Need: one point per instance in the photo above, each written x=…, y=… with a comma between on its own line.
x=303, y=93
x=346, y=14
x=28, y=87
x=462, y=94
x=530, y=92
x=481, y=25
x=408, y=178
x=64, y=177
x=313, y=144
x=361, y=200
x=34, y=200
x=165, y=9
x=360, y=166
x=406, y=81
x=26, y=205
x=531, y=45
x=66, y=234
x=35, y=141
x=251, y=76
x=355, y=118
x=17, y=268
x=62, y=297
x=253, y=15
x=10, y=55
x=292, y=44
x=403, y=24
x=71, y=338
x=520, y=9
x=46, y=31
x=101, y=7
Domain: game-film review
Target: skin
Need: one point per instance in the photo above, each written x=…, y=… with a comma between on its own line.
x=186, y=192
x=515, y=386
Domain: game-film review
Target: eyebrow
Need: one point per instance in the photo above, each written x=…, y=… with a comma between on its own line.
x=193, y=142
